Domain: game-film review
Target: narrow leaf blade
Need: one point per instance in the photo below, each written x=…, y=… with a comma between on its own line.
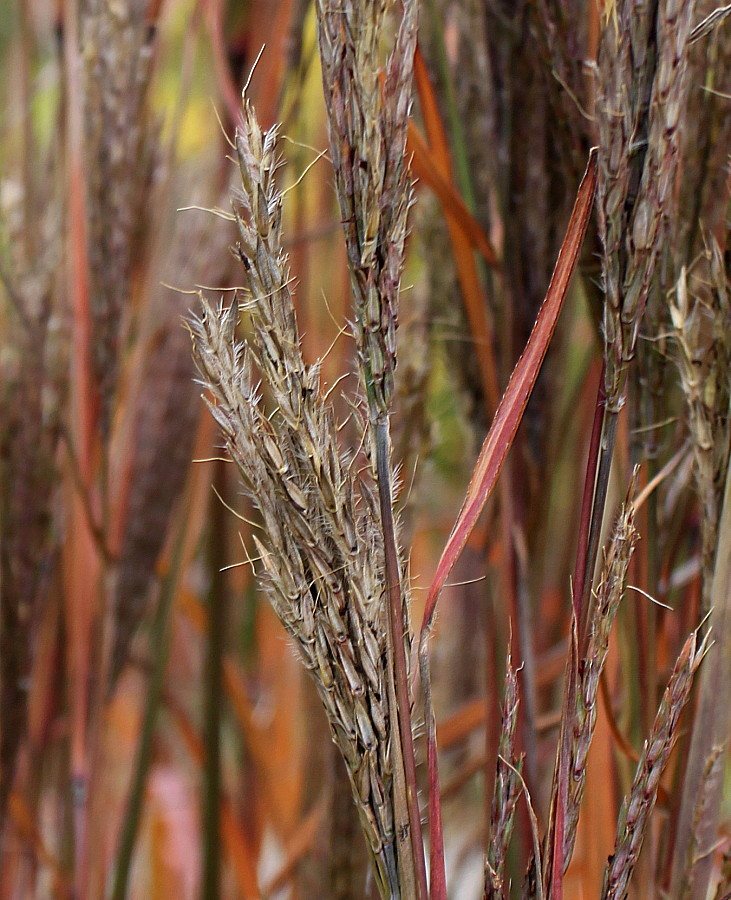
x=511, y=408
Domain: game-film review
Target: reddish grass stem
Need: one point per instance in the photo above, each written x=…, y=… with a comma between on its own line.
x=396, y=627
x=582, y=550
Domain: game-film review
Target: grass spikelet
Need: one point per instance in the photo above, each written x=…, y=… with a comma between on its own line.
x=612, y=585
x=505, y=794
x=368, y=121
x=641, y=96
x=368, y=112
x=701, y=327
x=639, y=803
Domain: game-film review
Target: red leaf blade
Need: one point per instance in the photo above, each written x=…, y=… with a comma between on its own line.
x=510, y=411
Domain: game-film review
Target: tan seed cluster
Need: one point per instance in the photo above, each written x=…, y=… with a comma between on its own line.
x=321, y=558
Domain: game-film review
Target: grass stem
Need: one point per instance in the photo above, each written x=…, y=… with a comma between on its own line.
x=396, y=626
x=160, y=640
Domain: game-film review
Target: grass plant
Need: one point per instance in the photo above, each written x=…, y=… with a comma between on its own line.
x=430, y=597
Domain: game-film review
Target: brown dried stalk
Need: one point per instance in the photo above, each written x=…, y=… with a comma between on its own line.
x=162, y=420
x=703, y=337
x=642, y=88
x=27, y=443
x=704, y=188
x=561, y=33
x=322, y=555
x=639, y=803
x=32, y=391
x=117, y=49
x=709, y=781
x=505, y=793
x=723, y=891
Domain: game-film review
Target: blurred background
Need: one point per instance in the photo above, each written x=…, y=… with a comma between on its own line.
x=158, y=736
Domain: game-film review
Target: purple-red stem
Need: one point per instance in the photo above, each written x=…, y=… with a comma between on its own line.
x=578, y=589
x=396, y=627
x=598, y=464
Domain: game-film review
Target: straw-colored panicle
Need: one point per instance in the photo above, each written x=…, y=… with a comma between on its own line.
x=702, y=325
x=639, y=803
x=321, y=557
x=117, y=45
x=604, y=610
x=641, y=97
x=505, y=793
x=367, y=120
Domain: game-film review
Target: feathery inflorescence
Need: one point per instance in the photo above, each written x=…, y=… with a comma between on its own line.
x=367, y=120
x=586, y=680
x=321, y=555
x=368, y=111
x=700, y=317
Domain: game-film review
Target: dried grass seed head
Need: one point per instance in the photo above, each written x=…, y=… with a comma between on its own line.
x=322, y=559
